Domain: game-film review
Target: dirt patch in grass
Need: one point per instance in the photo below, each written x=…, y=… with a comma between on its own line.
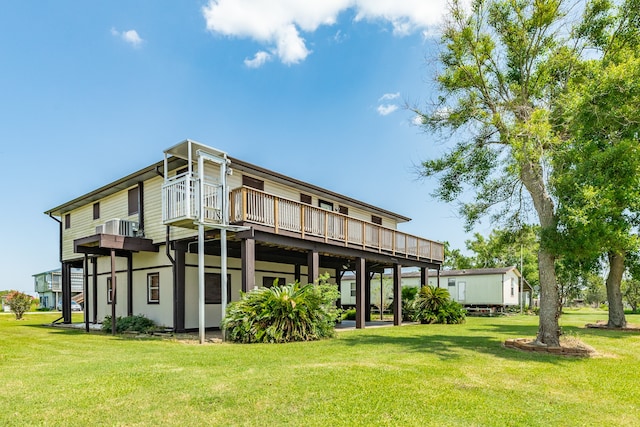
x=569, y=346
x=602, y=324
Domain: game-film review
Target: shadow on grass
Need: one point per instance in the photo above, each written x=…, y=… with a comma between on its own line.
x=453, y=346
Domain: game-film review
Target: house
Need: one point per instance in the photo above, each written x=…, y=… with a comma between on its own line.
x=166, y=240
x=485, y=289
x=48, y=285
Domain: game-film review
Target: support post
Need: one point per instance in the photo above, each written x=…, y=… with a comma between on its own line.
x=397, y=294
x=129, y=284
x=94, y=306
x=85, y=289
x=66, y=292
x=113, y=292
x=424, y=277
x=179, y=287
x=201, y=282
x=313, y=266
x=248, y=254
x=360, y=291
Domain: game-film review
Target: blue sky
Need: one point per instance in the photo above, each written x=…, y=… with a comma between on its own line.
x=92, y=91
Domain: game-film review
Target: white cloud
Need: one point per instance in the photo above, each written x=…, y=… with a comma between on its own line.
x=417, y=120
x=129, y=36
x=386, y=109
x=278, y=24
x=258, y=60
x=389, y=96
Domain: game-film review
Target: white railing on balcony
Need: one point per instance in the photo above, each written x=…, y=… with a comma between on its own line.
x=254, y=206
x=181, y=200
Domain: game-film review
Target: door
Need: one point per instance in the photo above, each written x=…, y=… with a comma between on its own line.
x=462, y=291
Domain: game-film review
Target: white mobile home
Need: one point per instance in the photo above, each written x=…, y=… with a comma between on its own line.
x=495, y=288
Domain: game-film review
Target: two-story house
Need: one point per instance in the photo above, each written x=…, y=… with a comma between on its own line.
x=157, y=241
x=48, y=285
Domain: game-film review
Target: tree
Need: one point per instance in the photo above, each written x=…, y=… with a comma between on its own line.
x=19, y=303
x=503, y=64
x=454, y=259
x=381, y=299
x=597, y=170
x=631, y=293
x=595, y=292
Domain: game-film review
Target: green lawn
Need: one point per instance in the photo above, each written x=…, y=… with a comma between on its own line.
x=412, y=375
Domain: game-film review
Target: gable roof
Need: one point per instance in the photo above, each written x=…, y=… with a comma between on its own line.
x=479, y=271
x=176, y=162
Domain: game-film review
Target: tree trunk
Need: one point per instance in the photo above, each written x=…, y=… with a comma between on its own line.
x=549, y=328
x=614, y=294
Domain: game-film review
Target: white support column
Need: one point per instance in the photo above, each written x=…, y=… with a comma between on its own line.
x=201, y=282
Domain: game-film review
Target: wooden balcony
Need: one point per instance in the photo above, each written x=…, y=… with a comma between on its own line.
x=250, y=206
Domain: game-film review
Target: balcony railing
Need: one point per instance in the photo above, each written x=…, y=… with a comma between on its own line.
x=253, y=206
x=181, y=196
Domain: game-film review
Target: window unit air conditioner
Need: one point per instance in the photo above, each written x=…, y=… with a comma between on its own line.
x=121, y=227
x=100, y=229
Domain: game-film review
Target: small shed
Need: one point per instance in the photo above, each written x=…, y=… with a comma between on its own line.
x=490, y=288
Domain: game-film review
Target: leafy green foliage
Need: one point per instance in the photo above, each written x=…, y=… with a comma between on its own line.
x=631, y=293
x=137, y=323
x=409, y=294
x=19, y=303
x=433, y=305
x=286, y=313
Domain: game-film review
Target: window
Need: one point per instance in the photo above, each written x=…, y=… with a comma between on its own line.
x=213, y=288
x=269, y=281
x=325, y=205
x=513, y=287
x=109, y=290
x=353, y=290
x=133, y=201
x=451, y=282
x=376, y=220
x=258, y=184
x=67, y=221
x=305, y=198
x=153, y=288
x=343, y=210
x=96, y=210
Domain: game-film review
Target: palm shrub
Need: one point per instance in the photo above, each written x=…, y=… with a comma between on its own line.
x=433, y=305
x=408, y=297
x=279, y=314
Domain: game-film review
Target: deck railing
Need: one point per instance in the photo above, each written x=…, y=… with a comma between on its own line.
x=254, y=206
x=180, y=199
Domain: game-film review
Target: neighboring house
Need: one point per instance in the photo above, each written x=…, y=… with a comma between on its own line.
x=138, y=239
x=48, y=285
x=486, y=288
x=490, y=288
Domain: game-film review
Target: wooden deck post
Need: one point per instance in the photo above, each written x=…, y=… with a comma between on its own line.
x=129, y=284
x=313, y=265
x=397, y=294
x=361, y=274
x=248, y=261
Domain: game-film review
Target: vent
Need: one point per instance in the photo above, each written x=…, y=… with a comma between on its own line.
x=120, y=227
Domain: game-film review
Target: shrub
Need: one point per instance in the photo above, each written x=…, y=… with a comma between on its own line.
x=137, y=323
x=349, y=314
x=432, y=305
x=19, y=303
x=408, y=297
x=286, y=313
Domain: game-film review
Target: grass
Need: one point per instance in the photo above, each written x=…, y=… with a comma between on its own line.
x=413, y=375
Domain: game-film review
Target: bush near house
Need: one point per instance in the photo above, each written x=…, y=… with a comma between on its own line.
x=433, y=305
x=19, y=303
x=137, y=323
x=286, y=313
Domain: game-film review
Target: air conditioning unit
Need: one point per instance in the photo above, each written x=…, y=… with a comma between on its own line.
x=121, y=227
x=100, y=229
